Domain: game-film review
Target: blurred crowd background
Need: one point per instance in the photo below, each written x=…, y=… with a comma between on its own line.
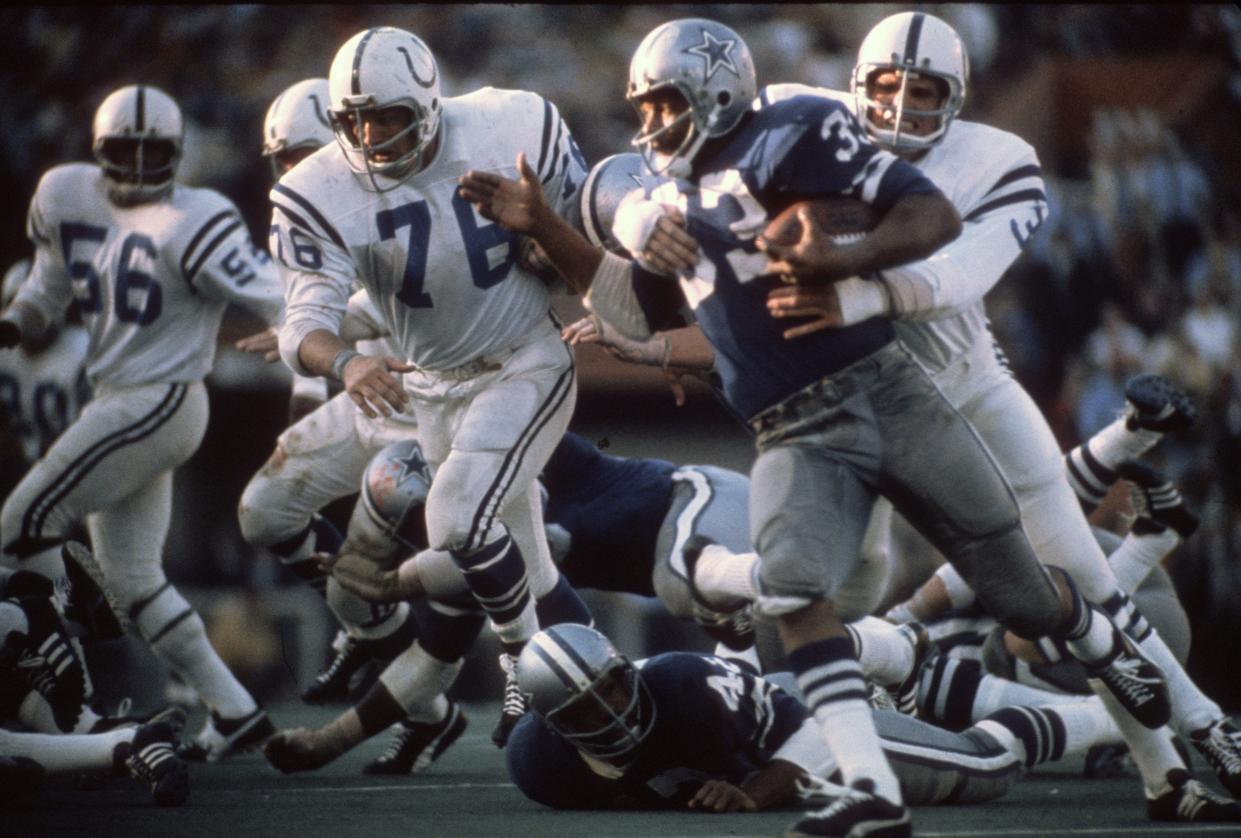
x=1135, y=112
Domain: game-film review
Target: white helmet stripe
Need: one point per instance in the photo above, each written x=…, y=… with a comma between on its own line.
x=562, y=660
x=912, y=37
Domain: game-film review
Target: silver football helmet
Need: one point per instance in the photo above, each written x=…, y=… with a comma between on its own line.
x=710, y=66
x=586, y=691
x=911, y=42
x=13, y=279
x=137, y=137
x=377, y=69
x=605, y=187
x=297, y=121
x=394, y=493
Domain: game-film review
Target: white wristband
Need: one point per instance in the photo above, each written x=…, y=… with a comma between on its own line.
x=860, y=299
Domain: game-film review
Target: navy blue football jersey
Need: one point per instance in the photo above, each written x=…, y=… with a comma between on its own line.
x=613, y=508
x=713, y=719
x=796, y=149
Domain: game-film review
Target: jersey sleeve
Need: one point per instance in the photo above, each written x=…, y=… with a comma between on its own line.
x=832, y=155
x=315, y=267
x=561, y=168
x=222, y=262
x=996, y=228
x=48, y=289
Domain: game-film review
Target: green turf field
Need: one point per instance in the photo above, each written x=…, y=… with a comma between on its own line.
x=466, y=793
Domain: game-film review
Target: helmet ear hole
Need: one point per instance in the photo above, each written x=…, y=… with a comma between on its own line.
x=723, y=98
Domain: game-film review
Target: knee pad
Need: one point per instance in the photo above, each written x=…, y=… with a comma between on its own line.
x=265, y=514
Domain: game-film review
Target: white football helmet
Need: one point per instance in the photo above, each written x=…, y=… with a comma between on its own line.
x=710, y=66
x=394, y=493
x=383, y=68
x=586, y=691
x=912, y=42
x=13, y=279
x=605, y=187
x=137, y=141
x=297, y=120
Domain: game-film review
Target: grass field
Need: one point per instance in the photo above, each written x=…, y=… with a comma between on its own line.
x=467, y=793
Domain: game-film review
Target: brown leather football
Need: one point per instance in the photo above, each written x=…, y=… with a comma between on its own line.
x=845, y=219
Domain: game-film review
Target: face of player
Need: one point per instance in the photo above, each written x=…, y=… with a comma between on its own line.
x=598, y=720
x=386, y=132
x=922, y=93
x=136, y=158
x=659, y=110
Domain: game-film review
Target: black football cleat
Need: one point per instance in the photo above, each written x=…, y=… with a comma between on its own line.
x=222, y=738
x=151, y=759
x=332, y=684
x=733, y=627
x=418, y=744
x=1154, y=404
x=1156, y=501
x=514, y=706
x=1220, y=745
x=856, y=813
x=1191, y=802
x=1135, y=681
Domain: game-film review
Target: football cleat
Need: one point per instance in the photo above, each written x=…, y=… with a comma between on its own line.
x=857, y=812
x=1156, y=501
x=1220, y=744
x=418, y=744
x=1191, y=801
x=1135, y=681
x=332, y=684
x=48, y=663
x=732, y=627
x=222, y=738
x=514, y=702
x=151, y=759
x=880, y=699
x=174, y=715
x=1154, y=404
x=90, y=602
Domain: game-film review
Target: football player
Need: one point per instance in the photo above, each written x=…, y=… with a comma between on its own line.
x=152, y=265
x=836, y=418
x=42, y=686
x=42, y=387
x=492, y=384
x=322, y=455
x=937, y=308
x=687, y=730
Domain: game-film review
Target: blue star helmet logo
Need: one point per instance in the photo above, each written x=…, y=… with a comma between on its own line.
x=412, y=464
x=716, y=53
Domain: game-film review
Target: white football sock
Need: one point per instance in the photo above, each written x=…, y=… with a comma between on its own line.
x=1152, y=750
x=849, y=730
x=726, y=578
x=1116, y=443
x=883, y=650
x=1137, y=554
x=416, y=678
x=1191, y=709
x=66, y=753
x=995, y=693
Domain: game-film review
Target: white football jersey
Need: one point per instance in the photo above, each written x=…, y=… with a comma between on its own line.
x=994, y=180
x=152, y=281
x=445, y=280
x=44, y=392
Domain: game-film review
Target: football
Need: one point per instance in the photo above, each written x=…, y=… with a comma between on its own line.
x=845, y=219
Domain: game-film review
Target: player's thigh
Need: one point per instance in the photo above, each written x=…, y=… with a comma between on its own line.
x=936, y=469
x=122, y=440
x=127, y=538
x=808, y=512
x=935, y=765
x=707, y=501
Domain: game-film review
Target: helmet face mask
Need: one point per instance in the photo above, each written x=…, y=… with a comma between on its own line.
x=385, y=104
x=710, y=66
x=137, y=137
x=916, y=46
x=586, y=691
x=296, y=125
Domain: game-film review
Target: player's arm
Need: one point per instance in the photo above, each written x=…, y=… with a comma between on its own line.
x=994, y=233
x=47, y=292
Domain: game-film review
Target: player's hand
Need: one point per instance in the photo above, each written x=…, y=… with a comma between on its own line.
x=363, y=577
x=818, y=301
x=720, y=796
x=590, y=329
x=517, y=205
x=814, y=258
x=372, y=386
x=295, y=750
x=266, y=343
x=670, y=249
x=10, y=334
